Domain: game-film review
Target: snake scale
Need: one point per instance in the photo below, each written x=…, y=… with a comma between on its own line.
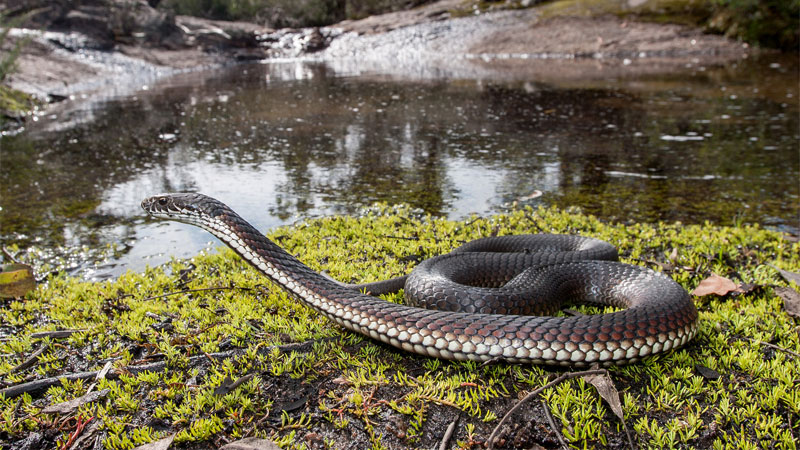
x=483, y=292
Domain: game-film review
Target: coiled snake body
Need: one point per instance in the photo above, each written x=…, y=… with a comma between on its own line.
x=537, y=273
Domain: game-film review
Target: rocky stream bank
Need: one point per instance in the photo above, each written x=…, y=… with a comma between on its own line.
x=100, y=46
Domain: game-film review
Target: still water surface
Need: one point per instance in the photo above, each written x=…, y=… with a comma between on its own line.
x=280, y=142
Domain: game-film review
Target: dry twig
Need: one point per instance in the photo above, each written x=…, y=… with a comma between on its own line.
x=562, y=377
x=552, y=423
x=448, y=434
x=767, y=344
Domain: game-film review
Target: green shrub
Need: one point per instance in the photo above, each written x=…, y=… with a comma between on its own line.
x=8, y=60
x=288, y=13
x=12, y=102
x=768, y=23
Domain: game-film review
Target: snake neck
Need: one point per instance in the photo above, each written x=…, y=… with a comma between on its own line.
x=266, y=256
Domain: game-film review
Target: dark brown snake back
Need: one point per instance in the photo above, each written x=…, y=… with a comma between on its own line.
x=659, y=314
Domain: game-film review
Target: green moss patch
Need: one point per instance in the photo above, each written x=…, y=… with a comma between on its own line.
x=210, y=351
x=15, y=104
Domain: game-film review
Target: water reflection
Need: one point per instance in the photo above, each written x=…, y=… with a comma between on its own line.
x=278, y=142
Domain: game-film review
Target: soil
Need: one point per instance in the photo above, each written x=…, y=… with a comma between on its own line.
x=492, y=44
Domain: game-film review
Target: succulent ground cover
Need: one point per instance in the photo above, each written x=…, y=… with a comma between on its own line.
x=208, y=352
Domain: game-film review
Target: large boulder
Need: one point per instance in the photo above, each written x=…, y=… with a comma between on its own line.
x=106, y=22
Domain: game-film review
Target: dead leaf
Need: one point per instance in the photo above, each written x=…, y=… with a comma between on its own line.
x=70, y=406
x=16, y=280
x=229, y=385
x=714, y=284
x=791, y=300
x=251, y=443
x=605, y=387
x=161, y=444
x=788, y=276
x=707, y=373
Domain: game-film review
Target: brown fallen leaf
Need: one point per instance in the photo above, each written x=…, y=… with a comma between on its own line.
x=70, y=406
x=161, y=444
x=791, y=300
x=251, y=443
x=714, y=284
x=605, y=387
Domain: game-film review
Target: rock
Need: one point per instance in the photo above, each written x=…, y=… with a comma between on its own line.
x=315, y=41
x=90, y=23
x=31, y=442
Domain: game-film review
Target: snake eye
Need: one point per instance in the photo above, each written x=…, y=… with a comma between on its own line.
x=162, y=201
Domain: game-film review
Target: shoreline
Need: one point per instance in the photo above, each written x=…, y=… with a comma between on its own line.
x=56, y=65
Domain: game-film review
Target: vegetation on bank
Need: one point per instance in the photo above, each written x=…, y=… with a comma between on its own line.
x=13, y=103
x=767, y=23
x=208, y=351
x=288, y=13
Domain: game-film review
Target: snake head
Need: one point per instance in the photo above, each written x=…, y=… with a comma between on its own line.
x=183, y=207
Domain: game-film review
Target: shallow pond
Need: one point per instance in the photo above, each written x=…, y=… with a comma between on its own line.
x=284, y=141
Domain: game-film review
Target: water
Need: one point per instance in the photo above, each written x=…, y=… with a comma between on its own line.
x=279, y=142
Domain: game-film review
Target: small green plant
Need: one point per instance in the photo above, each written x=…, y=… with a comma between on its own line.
x=769, y=23
x=372, y=395
x=8, y=61
x=12, y=102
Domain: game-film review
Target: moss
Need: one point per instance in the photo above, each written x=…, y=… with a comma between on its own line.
x=15, y=103
x=341, y=389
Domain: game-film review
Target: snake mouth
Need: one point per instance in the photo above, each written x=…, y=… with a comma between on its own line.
x=186, y=207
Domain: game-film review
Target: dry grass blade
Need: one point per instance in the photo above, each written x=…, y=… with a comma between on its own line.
x=251, y=443
x=70, y=406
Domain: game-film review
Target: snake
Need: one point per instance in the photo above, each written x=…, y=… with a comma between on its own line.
x=491, y=299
